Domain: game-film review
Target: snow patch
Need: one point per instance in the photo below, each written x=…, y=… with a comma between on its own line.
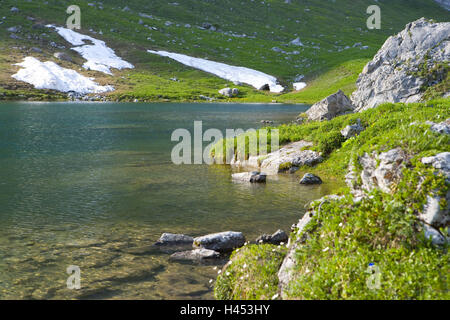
x=48, y=75
x=98, y=55
x=252, y=77
x=299, y=85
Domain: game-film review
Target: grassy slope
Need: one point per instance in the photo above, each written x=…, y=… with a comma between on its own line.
x=329, y=25
x=347, y=236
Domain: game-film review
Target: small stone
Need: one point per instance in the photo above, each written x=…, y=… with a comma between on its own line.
x=310, y=178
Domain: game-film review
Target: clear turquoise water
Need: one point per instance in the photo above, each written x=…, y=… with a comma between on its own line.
x=93, y=185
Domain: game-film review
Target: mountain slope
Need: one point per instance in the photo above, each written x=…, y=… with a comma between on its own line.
x=244, y=33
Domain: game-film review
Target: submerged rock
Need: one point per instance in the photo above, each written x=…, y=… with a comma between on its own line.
x=221, y=242
x=381, y=171
x=285, y=158
x=252, y=177
x=396, y=72
x=310, y=178
x=171, y=239
x=330, y=107
x=196, y=255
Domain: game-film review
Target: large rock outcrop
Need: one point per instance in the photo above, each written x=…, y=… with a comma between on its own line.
x=292, y=155
x=330, y=107
x=405, y=65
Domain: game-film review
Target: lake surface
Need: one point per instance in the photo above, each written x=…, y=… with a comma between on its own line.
x=93, y=185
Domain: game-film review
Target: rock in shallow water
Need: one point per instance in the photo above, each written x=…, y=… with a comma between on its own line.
x=252, y=177
x=196, y=255
x=310, y=178
x=221, y=242
x=171, y=239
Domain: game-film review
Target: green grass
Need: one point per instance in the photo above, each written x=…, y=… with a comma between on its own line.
x=345, y=237
x=252, y=273
x=327, y=25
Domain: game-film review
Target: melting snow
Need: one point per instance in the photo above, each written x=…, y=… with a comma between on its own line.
x=299, y=85
x=252, y=77
x=99, y=56
x=48, y=75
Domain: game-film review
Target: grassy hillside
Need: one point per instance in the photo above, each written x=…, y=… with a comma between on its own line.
x=246, y=31
x=345, y=236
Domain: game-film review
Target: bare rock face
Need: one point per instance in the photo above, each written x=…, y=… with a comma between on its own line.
x=330, y=107
x=171, y=239
x=433, y=215
x=393, y=74
x=379, y=171
x=221, y=242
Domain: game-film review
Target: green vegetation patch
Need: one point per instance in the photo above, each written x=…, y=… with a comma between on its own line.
x=252, y=273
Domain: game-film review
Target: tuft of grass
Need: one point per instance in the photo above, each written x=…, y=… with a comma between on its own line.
x=252, y=273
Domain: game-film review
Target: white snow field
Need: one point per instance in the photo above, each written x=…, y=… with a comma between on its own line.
x=98, y=55
x=299, y=85
x=48, y=75
x=252, y=77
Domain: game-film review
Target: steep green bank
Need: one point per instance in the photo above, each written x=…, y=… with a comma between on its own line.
x=346, y=236
x=256, y=35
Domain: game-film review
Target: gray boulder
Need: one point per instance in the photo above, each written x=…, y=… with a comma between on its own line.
x=221, y=242
x=330, y=107
x=310, y=178
x=352, y=130
x=197, y=255
x=14, y=10
x=228, y=92
x=290, y=155
x=394, y=74
x=442, y=128
x=433, y=215
x=378, y=171
x=171, y=239
x=277, y=238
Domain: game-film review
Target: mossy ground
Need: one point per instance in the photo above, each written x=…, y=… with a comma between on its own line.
x=326, y=28
x=345, y=237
